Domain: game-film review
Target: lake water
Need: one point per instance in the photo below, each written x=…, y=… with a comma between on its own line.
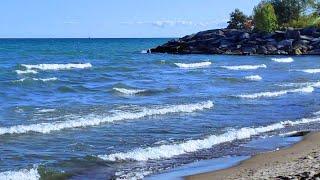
x=101, y=108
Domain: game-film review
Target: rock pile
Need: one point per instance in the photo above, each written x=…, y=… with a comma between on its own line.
x=241, y=42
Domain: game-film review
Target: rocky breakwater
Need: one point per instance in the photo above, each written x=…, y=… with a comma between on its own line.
x=241, y=42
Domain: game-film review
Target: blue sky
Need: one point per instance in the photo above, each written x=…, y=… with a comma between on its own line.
x=114, y=18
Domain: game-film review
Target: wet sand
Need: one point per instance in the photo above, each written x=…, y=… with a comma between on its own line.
x=301, y=161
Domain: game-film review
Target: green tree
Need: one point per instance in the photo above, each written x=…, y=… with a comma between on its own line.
x=289, y=10
x=265, y=19
x=237, y=20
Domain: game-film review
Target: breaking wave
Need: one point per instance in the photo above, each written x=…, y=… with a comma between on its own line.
x=95, y=121
x=57, y=66
x=129, y=91
x=169, y=151
x=308, y=89
x=245, y=67
x=193, y=65
x=283, y=60
x=27, y=71
x=37, y=79
x=26, y=174
x=310, y=71
x=253, y=78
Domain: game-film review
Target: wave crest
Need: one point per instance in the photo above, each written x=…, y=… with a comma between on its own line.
x=57, y=66
x=95, y=121
x=26, y=174
x=310, y=71
x=245, y=67
x=129, y=91
x=308, y=89
x=37, y=79
x=169, y=151
x=283, y=60
x=27, y=71
x=193, y=65
x=253, y=78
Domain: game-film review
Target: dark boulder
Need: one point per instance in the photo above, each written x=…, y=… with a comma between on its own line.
x=262, y=50
x=292, y=34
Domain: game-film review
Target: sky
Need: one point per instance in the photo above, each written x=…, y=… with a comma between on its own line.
x=114, y=18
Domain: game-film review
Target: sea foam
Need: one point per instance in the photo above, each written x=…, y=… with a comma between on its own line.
x=25, y=174
x=310, y=71
x=171, y=150
x=95, y=121
x=37, y=79
x=283, y=60
x=193, y=65
x=308, y=89
x=129, y=91
x=27, y=71
x=57, y=66
x=253, y=78
x=245, y=67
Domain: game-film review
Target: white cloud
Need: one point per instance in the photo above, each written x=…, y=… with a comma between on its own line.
x=171, y=23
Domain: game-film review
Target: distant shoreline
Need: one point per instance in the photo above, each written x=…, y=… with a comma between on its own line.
x=242, y=42
x=300, y=160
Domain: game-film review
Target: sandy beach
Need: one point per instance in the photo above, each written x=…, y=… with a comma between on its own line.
x=301, y=161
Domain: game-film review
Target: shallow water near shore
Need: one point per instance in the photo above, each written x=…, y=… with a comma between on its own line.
x=100, y=108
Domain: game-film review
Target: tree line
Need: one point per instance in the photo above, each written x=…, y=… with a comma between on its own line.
x=271, y=15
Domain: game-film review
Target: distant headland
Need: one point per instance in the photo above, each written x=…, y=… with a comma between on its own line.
x=276, y=27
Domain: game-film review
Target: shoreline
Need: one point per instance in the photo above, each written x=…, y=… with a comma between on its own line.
x=299, y=160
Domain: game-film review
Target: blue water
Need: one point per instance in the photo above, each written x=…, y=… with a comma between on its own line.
x=99, y=108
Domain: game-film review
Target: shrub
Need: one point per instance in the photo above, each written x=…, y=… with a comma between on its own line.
x=265, y=19
x=312, y=20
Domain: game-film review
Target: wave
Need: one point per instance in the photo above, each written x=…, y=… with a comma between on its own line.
x=95, y=121
x=145, y=51
x=46, y=110
x=253, y=78
x=312, y=84
x=283, y=60
x=26, y=174
x=171, y=150
x=27, y=71
x=310, y=71
x=245, y=67
x=308, y=89
x=129, y=91
x=57, y=66
x=193, y=65
x=37, y=79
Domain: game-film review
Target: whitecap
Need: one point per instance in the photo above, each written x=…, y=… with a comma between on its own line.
x=46, y=110
x=308, y=89
x=27, y=71
x=129, y=91
x=193, y=65
x=310, y=71
x=312, y=84
x=97, y=120
x=283, y=60
x=57, y=66
x=25, y=174
x=171, y=150
x=245, y=67
x=253, y=78
x=37, y=79
x=145, y=51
